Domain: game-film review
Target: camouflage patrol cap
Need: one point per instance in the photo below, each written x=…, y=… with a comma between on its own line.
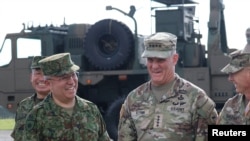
x=35, y=60
x=58, y=64
x=159, y=45
x=239, y=60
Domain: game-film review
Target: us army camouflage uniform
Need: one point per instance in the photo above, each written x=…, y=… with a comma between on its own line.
x=22, y=111
x=233, y=111
x=183, y=114
x=49, y=122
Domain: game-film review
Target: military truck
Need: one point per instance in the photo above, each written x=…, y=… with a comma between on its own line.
x=108, y=54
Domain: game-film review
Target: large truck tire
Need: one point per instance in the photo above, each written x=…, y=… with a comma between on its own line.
x=112, y=118
x=108, y=44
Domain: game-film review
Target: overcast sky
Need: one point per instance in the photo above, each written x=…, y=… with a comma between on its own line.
x=15, y=12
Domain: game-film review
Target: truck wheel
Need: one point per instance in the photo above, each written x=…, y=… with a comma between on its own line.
x=112, y=118
x=108, y=44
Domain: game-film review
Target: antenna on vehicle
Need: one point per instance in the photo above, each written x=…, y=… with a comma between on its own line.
x=247, y=47
x=64, y=23
x=23, y=27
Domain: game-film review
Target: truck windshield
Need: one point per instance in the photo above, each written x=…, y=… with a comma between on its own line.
x=5, y=53
x=25, y=48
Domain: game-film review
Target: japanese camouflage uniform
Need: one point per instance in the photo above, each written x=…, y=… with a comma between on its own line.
x=234, y=111
x=25, y=106
x=183, y=112
x=50, y=122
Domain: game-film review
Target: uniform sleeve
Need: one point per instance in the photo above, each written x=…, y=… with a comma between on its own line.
x=104, y=136
x=32, y=127
x=222, y=118
x=17, y=132
x=207, y=115
x=22, y=110
x=126, y=127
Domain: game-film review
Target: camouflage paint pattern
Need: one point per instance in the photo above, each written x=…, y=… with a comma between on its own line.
x=49, y=122
x=183, y=114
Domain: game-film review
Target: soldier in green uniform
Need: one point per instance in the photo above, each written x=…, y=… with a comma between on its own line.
x=236, y=110
x=167, y=107
x=42, y=90
x=63, y=116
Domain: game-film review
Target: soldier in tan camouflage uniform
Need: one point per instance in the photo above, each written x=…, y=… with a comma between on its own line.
x=42, y=90
x=168, y=107
x=63, y=116
x=235, y=110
